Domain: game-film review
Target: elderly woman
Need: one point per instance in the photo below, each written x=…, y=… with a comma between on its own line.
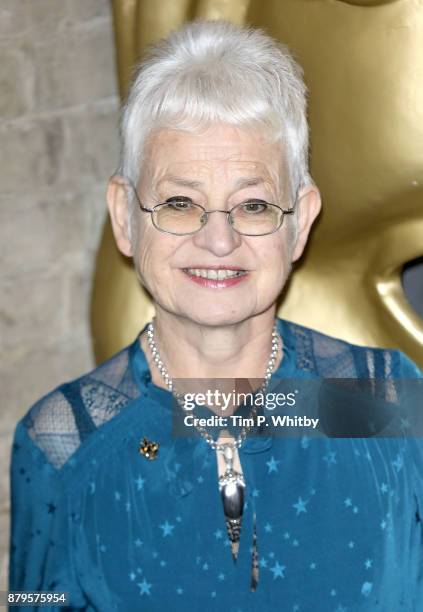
x=214, y=203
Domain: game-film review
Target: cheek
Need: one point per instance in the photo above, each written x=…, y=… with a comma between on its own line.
x=146, y=256
x=152, y=256
x=283, y=248
x=142, y=249
x=275, y=256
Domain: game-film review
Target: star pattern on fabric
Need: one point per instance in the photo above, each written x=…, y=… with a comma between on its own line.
x=330, y=458
x=167, y=528
x=168, y=514
x=278, y=570
x=305, y=442
x=300, y=506
x=144, y=587
x=405, y=423
x=272, y=465
x=139, y=483
x=398, y=463
x=366, y=588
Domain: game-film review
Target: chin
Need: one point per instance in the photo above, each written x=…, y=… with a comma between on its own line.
x=218, y=317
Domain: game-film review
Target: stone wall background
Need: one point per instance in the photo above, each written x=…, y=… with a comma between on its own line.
x=58, y=146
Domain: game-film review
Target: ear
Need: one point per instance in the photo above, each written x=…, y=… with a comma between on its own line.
x=117, y=202
x=309, y=204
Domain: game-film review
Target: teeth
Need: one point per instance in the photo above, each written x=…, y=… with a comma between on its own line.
x=214, y=274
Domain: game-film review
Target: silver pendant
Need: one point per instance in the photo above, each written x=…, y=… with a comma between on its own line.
x=232, y=490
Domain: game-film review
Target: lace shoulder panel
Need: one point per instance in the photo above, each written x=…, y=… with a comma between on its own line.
x=334, y=358
x=60, y=421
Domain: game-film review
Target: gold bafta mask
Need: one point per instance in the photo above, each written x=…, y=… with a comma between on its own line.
x=363, y=64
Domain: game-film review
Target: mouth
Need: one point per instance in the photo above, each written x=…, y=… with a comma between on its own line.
x=216, y=277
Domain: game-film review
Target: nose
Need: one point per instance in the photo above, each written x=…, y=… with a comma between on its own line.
x=217, y=235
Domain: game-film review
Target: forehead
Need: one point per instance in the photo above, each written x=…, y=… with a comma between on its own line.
x=219, y=149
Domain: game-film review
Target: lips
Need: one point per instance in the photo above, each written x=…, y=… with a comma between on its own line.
x=216, y=276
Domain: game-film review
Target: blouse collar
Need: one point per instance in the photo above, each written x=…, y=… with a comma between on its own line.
x=163, y=398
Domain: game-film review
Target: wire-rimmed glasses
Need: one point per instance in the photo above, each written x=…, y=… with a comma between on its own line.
x=180, y=216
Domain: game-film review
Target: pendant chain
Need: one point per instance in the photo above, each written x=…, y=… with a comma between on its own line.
x=178, y=396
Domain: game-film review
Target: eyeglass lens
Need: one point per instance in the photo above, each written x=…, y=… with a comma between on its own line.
x=254, y=217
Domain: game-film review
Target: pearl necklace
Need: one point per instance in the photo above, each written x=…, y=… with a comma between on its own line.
x=169, y=382
x=231, y=483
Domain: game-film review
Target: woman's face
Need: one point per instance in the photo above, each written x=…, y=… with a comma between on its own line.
x=218, y=169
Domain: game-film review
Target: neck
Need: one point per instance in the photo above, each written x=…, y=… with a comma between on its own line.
x=190, y=350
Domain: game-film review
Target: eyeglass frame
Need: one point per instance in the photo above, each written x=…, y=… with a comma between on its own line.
x=143, y=208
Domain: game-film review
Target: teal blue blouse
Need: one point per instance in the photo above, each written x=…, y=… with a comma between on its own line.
x=339, y=520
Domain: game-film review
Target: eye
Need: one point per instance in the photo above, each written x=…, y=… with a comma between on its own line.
x=254, y=206
x=179, y=203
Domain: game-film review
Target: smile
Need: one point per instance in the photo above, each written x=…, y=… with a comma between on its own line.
x=216, y=278
x=214, y=274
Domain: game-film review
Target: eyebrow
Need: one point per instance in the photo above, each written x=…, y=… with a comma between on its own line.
x=179, y=180
x=241, y=183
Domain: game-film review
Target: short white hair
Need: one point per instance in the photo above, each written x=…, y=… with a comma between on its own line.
x=209, y=72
